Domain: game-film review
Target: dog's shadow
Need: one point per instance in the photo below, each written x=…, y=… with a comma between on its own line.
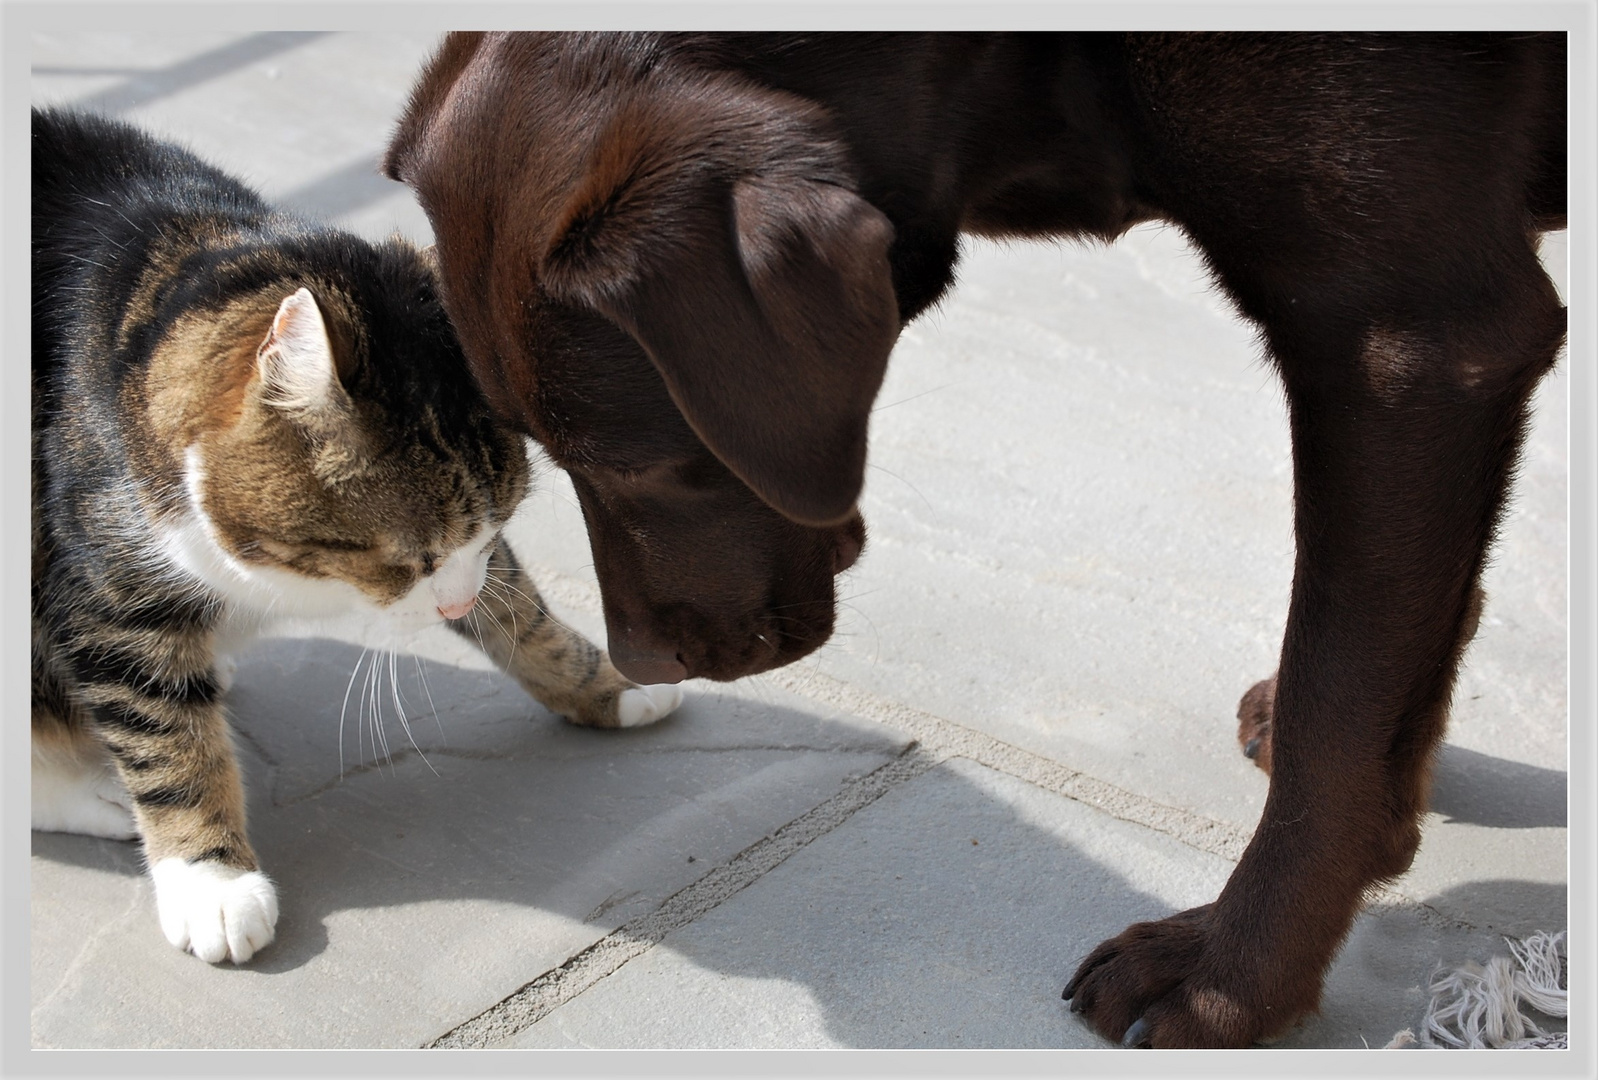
x=421, y=888
x=1479, y=789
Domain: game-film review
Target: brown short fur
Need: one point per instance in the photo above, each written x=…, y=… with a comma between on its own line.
x=703, y=231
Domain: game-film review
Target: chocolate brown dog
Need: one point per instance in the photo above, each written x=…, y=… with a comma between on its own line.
x=680, y=262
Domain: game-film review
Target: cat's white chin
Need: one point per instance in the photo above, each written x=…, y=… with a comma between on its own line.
x=216, y=912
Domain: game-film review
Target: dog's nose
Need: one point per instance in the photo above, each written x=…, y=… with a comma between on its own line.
x=458, y=611
x=647, y=666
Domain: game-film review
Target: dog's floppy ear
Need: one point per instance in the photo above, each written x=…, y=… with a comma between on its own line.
x=766, y=303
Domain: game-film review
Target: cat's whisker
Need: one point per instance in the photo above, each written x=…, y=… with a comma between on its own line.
x=534, y=604
x=505, y=588
x=511, y=589
x=375, y=717
x=421, y=677
x=382, y=727
x=501, y=626
x=496, y=596
x=477, y=628
x=399, y=703
x=362, y=722
x=365, y=717
x=344, y=708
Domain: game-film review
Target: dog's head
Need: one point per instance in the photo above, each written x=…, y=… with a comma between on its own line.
x=663, y=274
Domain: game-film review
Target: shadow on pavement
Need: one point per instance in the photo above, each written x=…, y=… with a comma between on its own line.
x=147, y=86
x=535, y=838
x=1479, y=789
x=345, y=190
x=948, y=913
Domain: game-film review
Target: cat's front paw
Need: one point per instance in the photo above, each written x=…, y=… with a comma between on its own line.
x=646, y=704
x=216, y=912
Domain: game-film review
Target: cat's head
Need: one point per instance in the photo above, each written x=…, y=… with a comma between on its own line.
x=343, y=457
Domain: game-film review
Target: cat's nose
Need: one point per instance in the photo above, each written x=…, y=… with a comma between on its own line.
x=458, y=611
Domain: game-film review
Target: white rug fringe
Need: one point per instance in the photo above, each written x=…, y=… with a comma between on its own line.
x=1474, y=1006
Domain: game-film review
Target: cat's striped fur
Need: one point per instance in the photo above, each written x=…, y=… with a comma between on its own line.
x=238, y=416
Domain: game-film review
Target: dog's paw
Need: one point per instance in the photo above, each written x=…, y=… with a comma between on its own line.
x=646, y=704
x=216, y=912
x=1254, y=715
x=1157, y=984
x=72, y=795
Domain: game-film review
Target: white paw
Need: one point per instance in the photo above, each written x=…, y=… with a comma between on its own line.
x=214, y=911
x=76, y=796
x=646, y=704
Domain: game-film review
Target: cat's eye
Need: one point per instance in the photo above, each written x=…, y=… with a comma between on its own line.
x=429, y=564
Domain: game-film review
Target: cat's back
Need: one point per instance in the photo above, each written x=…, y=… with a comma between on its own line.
x=88, y=167
x=110, y=202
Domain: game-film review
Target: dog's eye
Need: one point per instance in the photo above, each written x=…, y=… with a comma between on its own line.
x=659, y=472
x=701, y=472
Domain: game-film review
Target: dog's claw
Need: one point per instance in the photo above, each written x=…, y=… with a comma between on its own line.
x=1069, y=993
x=1136, y=1035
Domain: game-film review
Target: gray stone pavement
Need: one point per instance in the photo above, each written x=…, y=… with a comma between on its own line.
x=1020, y=739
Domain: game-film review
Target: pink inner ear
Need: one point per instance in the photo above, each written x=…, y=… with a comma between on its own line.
x=296, y=358
x=298, y=321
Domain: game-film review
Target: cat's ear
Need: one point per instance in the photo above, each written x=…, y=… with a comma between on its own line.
x=295, y=359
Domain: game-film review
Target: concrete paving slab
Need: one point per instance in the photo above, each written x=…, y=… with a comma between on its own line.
x=1091, y=499
x=1111, y=560
x=418, y=893
x=1080, y=551
x=949, y=914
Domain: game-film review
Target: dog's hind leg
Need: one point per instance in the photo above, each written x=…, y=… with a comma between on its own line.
x=1406, y=423
x=1258, y=705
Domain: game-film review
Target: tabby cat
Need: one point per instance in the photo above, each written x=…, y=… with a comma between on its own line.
x=237, y=416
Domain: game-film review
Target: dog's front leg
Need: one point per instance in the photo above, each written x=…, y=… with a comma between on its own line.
x=1405, y=432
